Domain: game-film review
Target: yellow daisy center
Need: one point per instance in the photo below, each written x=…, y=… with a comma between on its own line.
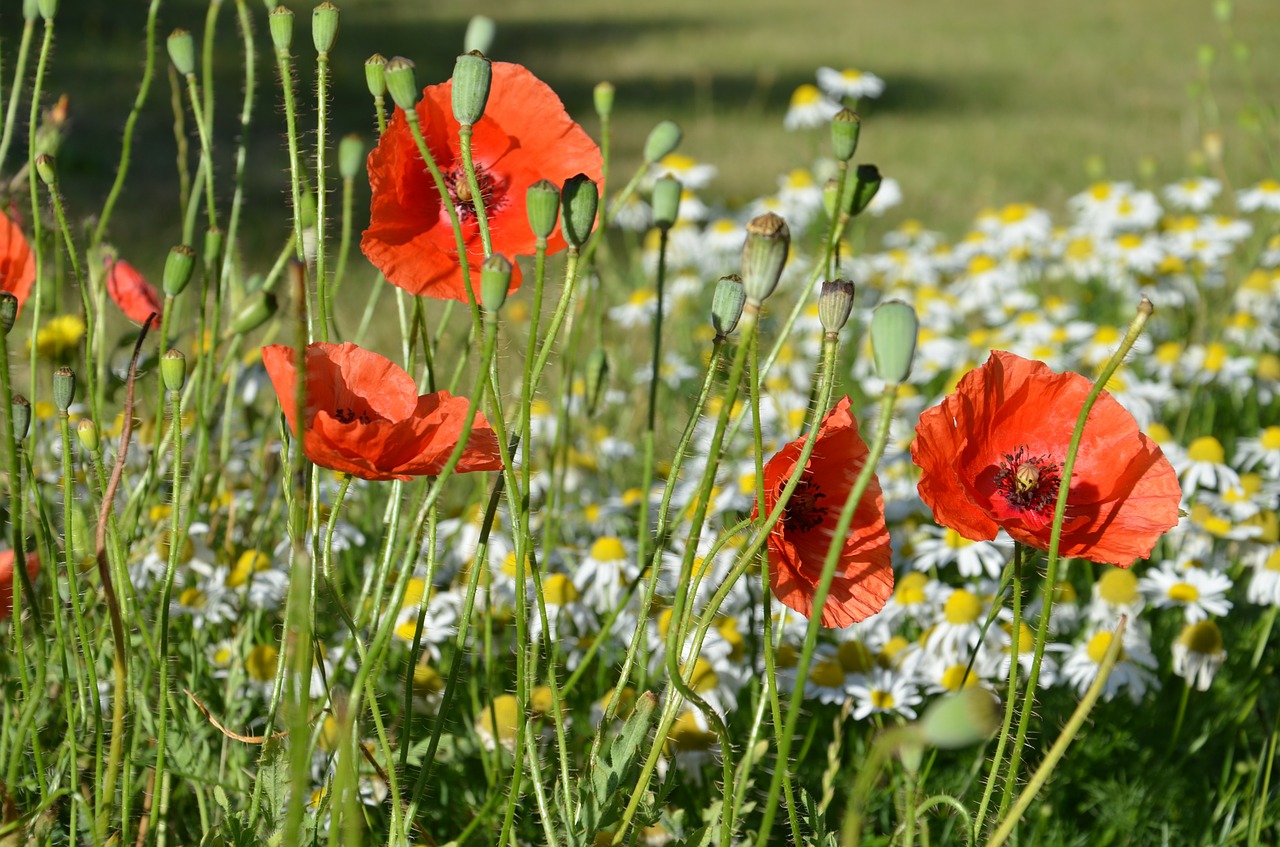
x=962, y=607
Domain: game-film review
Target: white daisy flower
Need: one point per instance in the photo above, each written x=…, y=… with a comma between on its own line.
x=1194, y=194
x=1264, y=585
x=1132, y=672
x=849, y=83
x=1204, y=467
x=809, y=108
x=1198, y=653
x=1263, y=451
x=937, y=547
x=1198, y=591
x=1264, y=196
x=885, y=692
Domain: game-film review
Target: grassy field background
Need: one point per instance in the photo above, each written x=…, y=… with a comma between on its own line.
x=987, y=103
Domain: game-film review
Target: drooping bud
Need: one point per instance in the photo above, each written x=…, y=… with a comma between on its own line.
x=280, y=22
x=835, y=303
x=178, y=266
x=8, y=310
x=666, y=202
x=400, y=84
x=375, y=68
x=726, y=305
x=45, y=170
x=87, y=432
x=350, y=156
x=597, y=371
x=845, y=128
x=495, y=280
x=542, y=203
x=64, y=389
x=21, y=417
x=173, y=370
x=578, y=204
x=968, y=716
x=764, y=254
x=602, y=97
x=663, y=139
x=259, y=307
x=865, y=185
x=479, y=34
x=324, y=27
x=894, y=328
x=472, y=76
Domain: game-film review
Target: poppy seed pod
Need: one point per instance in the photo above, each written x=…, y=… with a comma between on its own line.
x=64, y=389
x=280, y=22
x=350, y=156
x=173, y=370
x=8, y=310
x=87, y=432
x=865, y=185
x=472, y=77
x=602, y=98
x=375, y=68
x=578, y=205
x=764, y=254
x=726, y=305
x=324, y=27
x=666, y=202
x=663, y=139
x=845, y=128
x=479, y=34
x=178, y=266
x=542, y=202
x=894, y=328
x=835, y=302
x=401, y=86
x=495, y=281
x=21, y=417
x=258, y=308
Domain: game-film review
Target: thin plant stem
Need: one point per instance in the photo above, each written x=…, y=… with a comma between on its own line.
x=322, y=192
x=1010, y=696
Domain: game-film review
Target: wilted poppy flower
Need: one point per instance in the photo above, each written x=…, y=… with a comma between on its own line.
x=524, y=136
x=992, y=455
x=127, y=288
x=364, y=416
x=798, y=544
x=17, y=265
x=6, y=580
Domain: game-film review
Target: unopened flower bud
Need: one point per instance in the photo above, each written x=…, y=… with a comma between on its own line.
x=178, y=266
x=45, y=169
x=173, y=370
x=324, y=27
x=578, y=203
x=213, y=238
x=666, y=201
x=375, y=68
x=280, y=22
x=845, y=128
x=542, y=203
x=865, y=185
x=8, y=310
x=764, y=254
x=87, y=432
x=64, y=389
x=834, y=305
x=21, y=417
x=472, y=76
x=30, y=10
x=259, y=307
x=968, y=716
x=726, y=305
x=831, y=198
x=894, y=328
x=479, y=34
x=597, y=371
x=602, y=98
x=495, y=281
x=400, y=84
x=663, y=139
x=48, y=8
x=350, y=156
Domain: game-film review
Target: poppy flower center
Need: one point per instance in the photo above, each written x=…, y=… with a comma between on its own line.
x=1029, y=482
x=491, y=191
x=804, y=512
x=348, y=415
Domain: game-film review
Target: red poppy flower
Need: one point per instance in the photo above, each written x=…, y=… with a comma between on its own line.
x=6, y=579
x=17, y=264
x=364, y=416
x=798, y=544
x=524, y=136
x=992, y=455
x=127, y=288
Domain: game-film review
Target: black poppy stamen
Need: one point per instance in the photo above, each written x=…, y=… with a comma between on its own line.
x=803, y=511
x=348, y=416
x=1029, y=482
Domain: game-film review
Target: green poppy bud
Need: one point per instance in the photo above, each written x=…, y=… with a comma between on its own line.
x=845, y=128
x=280, y=22
x=578, y=204
x=834, y=305
x=865, y=185
x=602, y=98
x=21, y=417
x=479, y=34
x=472, y=76
x=350, y=156
x=213, y=238
x=542, y=203
x=726, y=305
x=258, y=308
x=324, y=27
x=666, y=202
x=87, y=432
x=8, y=310
x=597, y=372
x=831, y=199
x=64, y=389
x=969, y=716
x=894, y=328
x=30, y=10
x=764, y=254
x=400, y=84
x=495, y=280
x=48, y=8
x=173, y=370
x=375, y=68
x=178, y=266
x=45, y=170
x=663, y=139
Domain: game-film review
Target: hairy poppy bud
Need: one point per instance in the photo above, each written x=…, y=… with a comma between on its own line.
x=472, y=76
x=258, y=308
x=602, y=98
x=845, y=127
x=350, y=156
x=64, y=389
x=542, y=203
x=324, y=27
x=21, y=417
x=578, y=203
x=280, y=22
x=666, y=202
x=834, y=305
x=87, y=432
x=663, y=139
x=764, y=254
x=45, y=169
x=400, y=84
x=479, y=34
x=30, y=10
x=726, y=305
x=173, y=370
x=375, y=74
x=8, y=310
x=865, y=185
x=178, y=266
x=966, y=717
x=894, y=328
x=495, y=279
x=48, y=8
